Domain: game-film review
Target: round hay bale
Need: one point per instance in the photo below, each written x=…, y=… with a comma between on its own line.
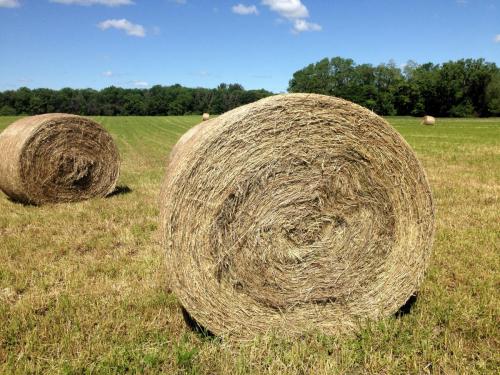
x=55, y=158
x=293, y=213
x=428, y=120
x=200, y=128
x=206, y=116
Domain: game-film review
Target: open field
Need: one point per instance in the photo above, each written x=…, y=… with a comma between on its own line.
x=82, y=286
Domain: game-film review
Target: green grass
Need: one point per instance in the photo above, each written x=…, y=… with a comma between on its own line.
x=82, y=287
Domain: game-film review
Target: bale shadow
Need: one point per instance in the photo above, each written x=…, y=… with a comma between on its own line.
x=195, y=326
x=20, y=202
x=120, y=190
x=406, y=308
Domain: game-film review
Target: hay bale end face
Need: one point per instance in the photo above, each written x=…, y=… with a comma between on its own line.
x=56, y=158
x=205, y=116
x=294, y=213
x=428, y=120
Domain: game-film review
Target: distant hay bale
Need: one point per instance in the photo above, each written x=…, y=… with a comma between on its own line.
x=428, y=120
x=55, y=158
x=206, y=116
x=293, y=213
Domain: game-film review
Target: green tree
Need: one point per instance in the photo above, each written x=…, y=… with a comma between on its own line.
x=7, y=110
x=493, y=95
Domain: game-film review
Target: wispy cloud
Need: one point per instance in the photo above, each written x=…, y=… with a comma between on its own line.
x=180, y=2
x=25, y=80
x=107, y=73
x=261, y=76
x=125, y=25
x=156, y=30
x=108, y=3
x=295, y=12
x=245, y=10
x=203, y=74
x=141, y=84
x=9, y=3
x=300, y=26
x=497, y=38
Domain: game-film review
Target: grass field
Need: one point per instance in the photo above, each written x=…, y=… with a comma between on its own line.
x=82, y=286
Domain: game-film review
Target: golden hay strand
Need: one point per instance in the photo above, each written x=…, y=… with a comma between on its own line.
x=428, y=120
x=293, y=213
x=57, y=158
x=186, y=137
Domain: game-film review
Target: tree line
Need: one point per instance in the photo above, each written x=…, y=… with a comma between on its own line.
x=463, y=88
x=111, y=101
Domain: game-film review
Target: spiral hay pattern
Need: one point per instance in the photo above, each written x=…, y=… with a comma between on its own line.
x=298, y=212
x=57, y=158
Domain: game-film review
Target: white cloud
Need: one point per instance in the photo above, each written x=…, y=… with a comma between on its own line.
x=108, y=3
x=245, y=10
x=288, y=8
x=295, y=12
x=9, y=3
x=300, y=26
x=497, y=38
x=107, y=73
x=125, y=25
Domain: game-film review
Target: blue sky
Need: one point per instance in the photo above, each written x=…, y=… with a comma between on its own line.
x=258, y=43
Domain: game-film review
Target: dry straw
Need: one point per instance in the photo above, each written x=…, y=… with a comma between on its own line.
x=298, y=212
x=205, y=116
x=57, y=158
x=179, y=146
x=428, y=120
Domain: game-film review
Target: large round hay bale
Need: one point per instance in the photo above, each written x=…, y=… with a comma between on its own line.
x=205, y=116
x=293, y=213
x=200, y=128
x=428, y=120
x=57, y=158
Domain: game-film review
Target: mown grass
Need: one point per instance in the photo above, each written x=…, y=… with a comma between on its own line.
x=82, y=287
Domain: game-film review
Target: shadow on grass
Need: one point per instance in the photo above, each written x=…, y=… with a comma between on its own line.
x=120, y=190
x=406, y=308
x=205, y=333
x=21, y=202
x=195, y=326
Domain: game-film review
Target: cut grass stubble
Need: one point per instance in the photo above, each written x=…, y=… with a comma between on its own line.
x=82, y=286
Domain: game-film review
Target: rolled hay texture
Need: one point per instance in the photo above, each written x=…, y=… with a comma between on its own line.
x=428, y=120
x=294, y=213
x=198, y=130
x=205, y=116
x=56, y=158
